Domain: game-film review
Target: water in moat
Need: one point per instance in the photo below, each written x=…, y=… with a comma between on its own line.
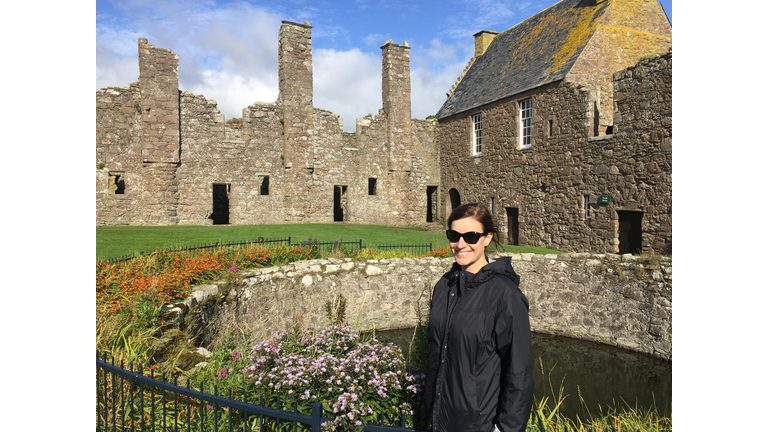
x=603, y=375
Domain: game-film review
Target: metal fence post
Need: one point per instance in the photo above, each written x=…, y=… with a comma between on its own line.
x=317, y=410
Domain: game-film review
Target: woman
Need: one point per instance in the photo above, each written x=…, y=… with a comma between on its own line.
x=480, y=362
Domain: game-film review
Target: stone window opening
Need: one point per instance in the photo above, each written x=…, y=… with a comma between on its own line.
x=551, y=126
x=609, y=130
x=587, y=214
x=477, y=135
x=116, y=184
x=525, y=124
x=431, y=203
x=264, y=185
x=372, y=186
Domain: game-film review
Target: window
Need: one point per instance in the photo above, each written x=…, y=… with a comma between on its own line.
x=550, y=128
x=525, y=123
x=116, y=184
x=477, y=135
x=371, y=186
x=586, y=207
x=263, y=185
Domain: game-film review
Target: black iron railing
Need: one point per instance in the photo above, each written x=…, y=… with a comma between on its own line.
x=351, y=246
x=128, y=400
x=260, y=240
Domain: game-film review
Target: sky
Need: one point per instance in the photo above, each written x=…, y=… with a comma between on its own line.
x=228, y=49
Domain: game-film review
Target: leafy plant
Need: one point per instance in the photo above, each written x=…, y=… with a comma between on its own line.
x=336, y=310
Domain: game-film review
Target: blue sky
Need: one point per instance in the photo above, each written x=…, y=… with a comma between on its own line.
x=228, y=49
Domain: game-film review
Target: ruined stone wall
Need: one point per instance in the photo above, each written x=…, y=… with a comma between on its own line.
x=643, y=122
x=549, y=181
x=281, y=164
x=618, y=300
x=118, y=150
x=263, y=135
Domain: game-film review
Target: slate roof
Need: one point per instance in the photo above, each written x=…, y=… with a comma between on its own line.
x=537, y=51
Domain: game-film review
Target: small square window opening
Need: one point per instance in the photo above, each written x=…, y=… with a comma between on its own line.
x=371, y=186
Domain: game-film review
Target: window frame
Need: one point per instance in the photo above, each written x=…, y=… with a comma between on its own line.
x=476, y=120
x=526, y=123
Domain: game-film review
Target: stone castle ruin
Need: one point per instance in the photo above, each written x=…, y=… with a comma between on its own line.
x=561, y=125
x=166, y=156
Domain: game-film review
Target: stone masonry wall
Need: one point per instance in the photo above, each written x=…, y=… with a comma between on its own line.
x=549, y=181
x=118, y=149
x=618, y=300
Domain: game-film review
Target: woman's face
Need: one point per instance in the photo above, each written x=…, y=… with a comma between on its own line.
x=471, y=257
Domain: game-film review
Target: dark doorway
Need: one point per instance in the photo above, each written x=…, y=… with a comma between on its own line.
x=513, y=233
x=630, y=232
x=431, y=203
x=339, y=202
x=263, y=185
x=220, y=213
x=455, y=198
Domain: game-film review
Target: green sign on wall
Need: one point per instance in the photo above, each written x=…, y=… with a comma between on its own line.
x=604, y=199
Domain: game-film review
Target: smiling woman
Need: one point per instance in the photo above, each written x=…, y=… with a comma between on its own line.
x=480, y=355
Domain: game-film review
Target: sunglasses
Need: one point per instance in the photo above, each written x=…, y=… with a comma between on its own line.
x=470, y=237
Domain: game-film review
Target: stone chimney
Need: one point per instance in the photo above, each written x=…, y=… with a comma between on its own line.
x=396, y=98
x=294, y=58
x=482, y=40
x=159, y=88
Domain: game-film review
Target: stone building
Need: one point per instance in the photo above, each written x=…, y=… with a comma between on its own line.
x=562, y=126
x=166, y=156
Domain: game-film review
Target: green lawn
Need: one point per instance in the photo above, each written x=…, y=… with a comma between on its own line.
x=115, y=241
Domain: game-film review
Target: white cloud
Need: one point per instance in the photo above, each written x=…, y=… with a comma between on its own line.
x=347, y=83
x=228, y=53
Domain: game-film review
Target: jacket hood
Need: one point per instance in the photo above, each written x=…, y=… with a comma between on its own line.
x=500, y=266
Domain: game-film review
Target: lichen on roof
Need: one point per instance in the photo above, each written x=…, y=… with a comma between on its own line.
x=537, y=51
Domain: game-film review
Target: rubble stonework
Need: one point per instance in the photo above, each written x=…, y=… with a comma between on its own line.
x=623, y=301
x=286, y=162
x=546, y=184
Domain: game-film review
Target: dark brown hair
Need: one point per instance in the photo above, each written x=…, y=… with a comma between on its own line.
x=480, y=213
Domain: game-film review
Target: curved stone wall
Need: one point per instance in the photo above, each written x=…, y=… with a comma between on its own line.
x=625, y=301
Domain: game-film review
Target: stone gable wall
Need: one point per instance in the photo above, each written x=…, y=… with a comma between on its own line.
x=617, y=300
x=548, y=182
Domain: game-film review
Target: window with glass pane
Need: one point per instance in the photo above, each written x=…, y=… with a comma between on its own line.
x=477, y=134
x=525, y=123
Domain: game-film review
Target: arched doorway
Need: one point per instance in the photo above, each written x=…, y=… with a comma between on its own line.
x=455, y=198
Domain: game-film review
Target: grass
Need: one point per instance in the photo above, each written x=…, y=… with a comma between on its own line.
x=115, y=241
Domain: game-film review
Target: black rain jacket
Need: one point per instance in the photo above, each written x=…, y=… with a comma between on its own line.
x=480, y=361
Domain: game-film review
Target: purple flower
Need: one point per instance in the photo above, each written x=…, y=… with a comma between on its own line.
x=223, y=373
x=233, y=269
x=152, y=295
x=235, y=355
